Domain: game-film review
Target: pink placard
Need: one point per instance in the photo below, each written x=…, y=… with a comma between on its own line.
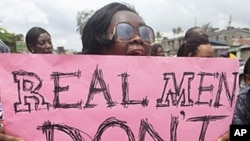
x=125, y=98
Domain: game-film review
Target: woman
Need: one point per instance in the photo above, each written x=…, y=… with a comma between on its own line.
x=117, y=29
x=193, y=31
x=196, y=46
x=157, y=50
x=38, y=40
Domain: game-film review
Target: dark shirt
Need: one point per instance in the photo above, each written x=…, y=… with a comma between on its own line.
x=241, y=114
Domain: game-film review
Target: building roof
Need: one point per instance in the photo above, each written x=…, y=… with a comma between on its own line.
x=217, y=43
x=231, y=30
x=240, y=42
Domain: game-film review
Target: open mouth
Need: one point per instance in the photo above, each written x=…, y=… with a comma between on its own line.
x=137, y=53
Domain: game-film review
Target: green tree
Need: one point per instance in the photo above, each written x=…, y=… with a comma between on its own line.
x=179, y=30
x=5, y=35
x=174, y=31
x=10, y=38
x=82, y=18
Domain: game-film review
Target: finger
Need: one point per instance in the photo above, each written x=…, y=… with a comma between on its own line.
x=224, y=137
x=1, y=126
x=4, y=137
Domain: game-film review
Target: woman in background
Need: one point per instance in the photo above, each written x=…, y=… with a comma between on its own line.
x=196, y=46
x=193, y=31
x=157, y=50
x=38, y=40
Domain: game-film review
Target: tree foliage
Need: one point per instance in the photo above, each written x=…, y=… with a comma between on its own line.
x=177, y=31
x=10, y=38
x=5, y=35
x=82, y=18
x=159, y=36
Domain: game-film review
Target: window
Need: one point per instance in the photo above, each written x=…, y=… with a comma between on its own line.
x=172, y=43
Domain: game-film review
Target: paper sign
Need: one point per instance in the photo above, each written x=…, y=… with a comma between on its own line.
x=117, y=98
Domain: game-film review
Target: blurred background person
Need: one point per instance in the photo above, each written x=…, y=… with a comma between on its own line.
x=242, y=108
x=193, y=31
x=4, y=48
x=196, y=46
x=157, y=50
x=38, y=40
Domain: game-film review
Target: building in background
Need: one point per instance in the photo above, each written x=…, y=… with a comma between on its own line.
x=231, y=40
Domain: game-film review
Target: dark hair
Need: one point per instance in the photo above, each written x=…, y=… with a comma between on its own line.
x=191, y=45
x=189, y=33
x=154, y=49
x=94, y=35
x=33, y=35
x=193, y=31
x=246, y=68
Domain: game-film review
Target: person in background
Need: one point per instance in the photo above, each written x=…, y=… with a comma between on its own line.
x=4, y=48
x=241, y=115
x=38, y=40
x=157, y=50
x=242, y=111
x=117, y=29
x=196, y=46
x=197, y=31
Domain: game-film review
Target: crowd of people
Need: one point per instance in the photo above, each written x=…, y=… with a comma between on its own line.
x=117, y=29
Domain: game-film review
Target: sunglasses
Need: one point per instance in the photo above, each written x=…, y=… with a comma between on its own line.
x=124, y=32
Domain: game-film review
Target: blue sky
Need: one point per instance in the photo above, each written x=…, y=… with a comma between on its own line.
x=59, y=16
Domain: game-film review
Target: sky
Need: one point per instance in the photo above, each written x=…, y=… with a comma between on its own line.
x=58, y=17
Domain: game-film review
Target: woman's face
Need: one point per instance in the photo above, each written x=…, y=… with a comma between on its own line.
x=160, y=51
x=205, y=50
x=135, y=46
x=43, y=44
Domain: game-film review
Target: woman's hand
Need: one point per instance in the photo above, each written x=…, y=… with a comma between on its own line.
x=224, y=137
x=4, y=137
